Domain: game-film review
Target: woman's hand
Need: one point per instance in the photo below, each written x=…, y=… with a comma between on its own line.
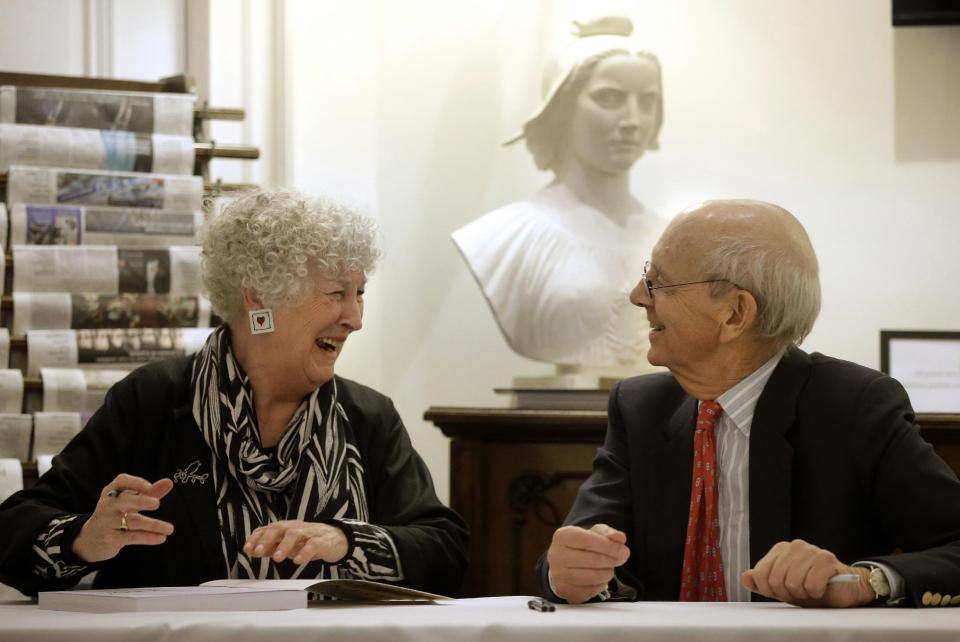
x=116, y=522
x=298, y=541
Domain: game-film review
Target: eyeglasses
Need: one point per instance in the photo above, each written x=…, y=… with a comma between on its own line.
x=651, y=287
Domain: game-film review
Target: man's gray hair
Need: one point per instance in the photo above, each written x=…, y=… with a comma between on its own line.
x=276, y=242
x=783, y=277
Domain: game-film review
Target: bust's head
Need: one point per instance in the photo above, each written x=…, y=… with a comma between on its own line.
x=603, y=101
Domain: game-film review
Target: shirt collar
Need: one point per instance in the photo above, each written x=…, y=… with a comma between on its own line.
x=740, y=401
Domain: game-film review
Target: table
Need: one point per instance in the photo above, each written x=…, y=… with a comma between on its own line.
x=503, y=619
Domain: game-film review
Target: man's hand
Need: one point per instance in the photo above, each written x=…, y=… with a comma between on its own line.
x=298, y=541
x=582, y=561
x=797, y=573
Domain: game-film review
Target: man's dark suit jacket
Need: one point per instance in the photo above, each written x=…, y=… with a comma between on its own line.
x=835, y=459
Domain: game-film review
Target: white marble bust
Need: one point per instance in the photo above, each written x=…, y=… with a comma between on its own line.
x=557, y=267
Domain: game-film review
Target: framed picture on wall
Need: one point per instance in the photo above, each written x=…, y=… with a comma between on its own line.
x=927, y=363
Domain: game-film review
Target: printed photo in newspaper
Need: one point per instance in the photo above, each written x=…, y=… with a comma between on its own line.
x=63, y=311
x=135, y=345
x=144, y=271
x=91, y=311
x=49, y=185
x=125, y=227
x=100, y=110
x=101, y=189
x=143, y=112
x=43, y=225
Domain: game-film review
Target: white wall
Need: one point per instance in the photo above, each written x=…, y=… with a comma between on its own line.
x=134, y=39
x=819, y=106
x=31, y=42
x=333, y=89
x=239, y=62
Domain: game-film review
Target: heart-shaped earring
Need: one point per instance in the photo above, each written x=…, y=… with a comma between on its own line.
x=261, y=321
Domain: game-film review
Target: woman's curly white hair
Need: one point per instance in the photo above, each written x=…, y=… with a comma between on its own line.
x=276, y=242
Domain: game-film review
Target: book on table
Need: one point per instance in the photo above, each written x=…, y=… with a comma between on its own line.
x=230, y=595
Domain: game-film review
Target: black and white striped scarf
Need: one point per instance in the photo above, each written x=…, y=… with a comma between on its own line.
x=315, y=474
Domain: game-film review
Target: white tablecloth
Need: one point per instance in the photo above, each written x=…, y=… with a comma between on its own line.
x=502, y=619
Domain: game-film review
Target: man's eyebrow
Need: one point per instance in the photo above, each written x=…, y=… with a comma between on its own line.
x=658, y=273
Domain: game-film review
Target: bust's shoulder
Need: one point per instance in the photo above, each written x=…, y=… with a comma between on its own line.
x=506, y=235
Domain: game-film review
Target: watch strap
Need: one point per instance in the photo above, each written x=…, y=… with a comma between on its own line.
x=878, y=583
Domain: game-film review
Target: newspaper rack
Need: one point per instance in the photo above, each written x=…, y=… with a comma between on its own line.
x=204, y=150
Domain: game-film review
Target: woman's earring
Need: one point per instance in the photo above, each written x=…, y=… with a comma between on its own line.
x=261, y=321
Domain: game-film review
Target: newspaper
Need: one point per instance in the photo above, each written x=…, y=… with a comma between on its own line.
x=46, y=185
x=73, y=389
x=55, y=268
x=107, y=348
x=44, y=463
x=54, y=430
x=126, y=227
x=139, y=311
x=185, y=264
x=174, y=271
x=11, y=477
x=94, y=149
x=62, y=311
x=137, y=345
x=131, y=111
x=15, y=432
x=106, y=269
x=11, y=391
x=50, y=348
x=40, y=311
x=4, y=348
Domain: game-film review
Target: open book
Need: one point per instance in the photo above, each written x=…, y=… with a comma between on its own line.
x=352, y=590
x=229, y=595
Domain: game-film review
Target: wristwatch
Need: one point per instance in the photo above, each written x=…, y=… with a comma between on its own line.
x=878, y=583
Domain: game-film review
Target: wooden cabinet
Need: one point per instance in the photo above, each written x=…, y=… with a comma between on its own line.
x=515, y=473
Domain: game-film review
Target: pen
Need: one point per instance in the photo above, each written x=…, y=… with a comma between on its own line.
x=541, y=605
x=115, y=492
x=844, y=578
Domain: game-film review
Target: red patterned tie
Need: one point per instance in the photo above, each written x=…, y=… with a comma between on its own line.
x=702, y=579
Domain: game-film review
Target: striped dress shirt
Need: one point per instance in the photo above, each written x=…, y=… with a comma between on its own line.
x=733, y=461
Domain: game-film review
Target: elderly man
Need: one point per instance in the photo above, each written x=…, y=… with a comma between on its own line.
x=754, y=467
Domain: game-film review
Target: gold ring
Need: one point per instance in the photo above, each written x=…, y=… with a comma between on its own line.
x=123, y=522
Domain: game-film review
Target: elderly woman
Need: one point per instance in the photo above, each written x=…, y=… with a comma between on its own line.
x=250, y=459
x=556, y=268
